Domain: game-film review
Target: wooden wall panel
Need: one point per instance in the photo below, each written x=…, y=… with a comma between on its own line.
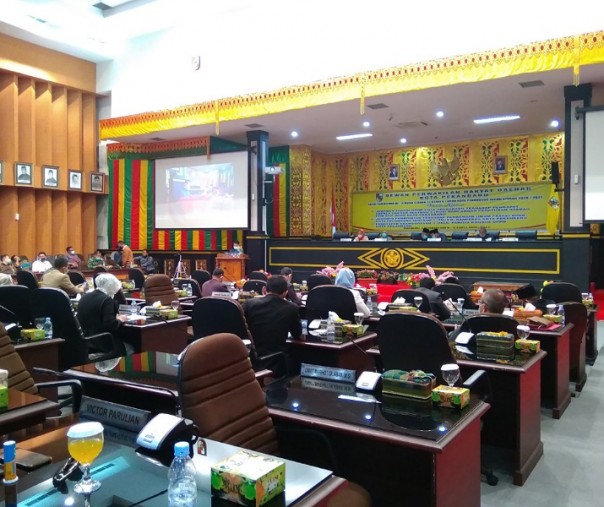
x=46, y=223
x=74, y=220
x=59, y=129
x=43, y=123
x=26, y=125
x=10, y=228
x=28, y=223
x=8, y=125
x=64, y=231
x=74, y=133
x=89, y=137
x=88, y=218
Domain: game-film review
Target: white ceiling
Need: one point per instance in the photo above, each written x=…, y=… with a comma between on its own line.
x=317, y=126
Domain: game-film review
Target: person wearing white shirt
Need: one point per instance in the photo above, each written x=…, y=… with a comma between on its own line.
x=41, y=264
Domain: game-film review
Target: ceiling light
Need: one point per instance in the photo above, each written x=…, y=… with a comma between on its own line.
x=495, y=119
x=366, y=124
x=554, y=124
x=353, y=136
x=403, y=140
x=440, y=114
x=294, y=133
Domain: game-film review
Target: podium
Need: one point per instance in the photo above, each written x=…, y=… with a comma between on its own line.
x=233, y=266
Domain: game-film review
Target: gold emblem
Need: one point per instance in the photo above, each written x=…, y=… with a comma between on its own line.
x=392, y=258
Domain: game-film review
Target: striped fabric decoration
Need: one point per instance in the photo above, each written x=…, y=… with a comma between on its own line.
x=278, y=213
x=131, y=214
x=143, y=362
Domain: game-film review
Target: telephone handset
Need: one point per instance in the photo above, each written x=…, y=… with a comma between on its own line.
x=161, y=433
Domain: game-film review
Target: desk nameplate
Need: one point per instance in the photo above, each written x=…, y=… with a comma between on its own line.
x=327, y=373
x=327, y=385
x=120, y=416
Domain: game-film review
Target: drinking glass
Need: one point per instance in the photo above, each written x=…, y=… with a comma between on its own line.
x=175, y=305
x=450, y=373
x=85, y=443
x=39, y=321
x=418, y=300
x=523, y=331
x=460, y=303
x=358, y=318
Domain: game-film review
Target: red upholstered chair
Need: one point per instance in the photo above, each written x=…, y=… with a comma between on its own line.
x=220, y=393
x=159, y=288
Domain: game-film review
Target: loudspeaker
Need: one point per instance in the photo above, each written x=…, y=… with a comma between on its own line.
x=555, y=173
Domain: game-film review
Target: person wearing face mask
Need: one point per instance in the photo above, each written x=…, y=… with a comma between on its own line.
x=57, y=278
x=146, y=262
x=41, y=264
x=127, y=255
x=6, y=265
x=73, y=259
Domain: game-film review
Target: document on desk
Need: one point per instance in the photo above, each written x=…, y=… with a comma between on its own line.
x=464, y=338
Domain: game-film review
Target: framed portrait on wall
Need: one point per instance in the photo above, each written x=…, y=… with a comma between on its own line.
x=501, y=165
x=75, y=180
x=50, y=176
x=393, y=172
x=23, y=173
x=97, y=182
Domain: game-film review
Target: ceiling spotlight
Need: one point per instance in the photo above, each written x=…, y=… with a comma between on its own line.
x=403, y=140
x=554, y=124
x=366, y=124
x=495, y=119
x=353, y=136
x=294, y=133
x=440, y=114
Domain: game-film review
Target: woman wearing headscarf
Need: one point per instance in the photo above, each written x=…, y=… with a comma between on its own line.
x=345, y=278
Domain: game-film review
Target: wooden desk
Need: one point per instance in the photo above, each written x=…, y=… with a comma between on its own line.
x=503, y=286
x=158, y=335
x=43, y=354
x=427, y=458
x=591, y=336
x=24, y=410
x=341, y=355
x=136, y=480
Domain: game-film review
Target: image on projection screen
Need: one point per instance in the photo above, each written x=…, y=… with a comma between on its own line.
x=594, y=167
x=201, y=192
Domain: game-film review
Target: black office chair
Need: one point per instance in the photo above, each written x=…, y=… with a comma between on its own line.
x=560, y=292
x=254, y=285
x=138, y=277
x=410, y=295
x=28, y=279
x=216, y=314
x=491, y=322
x=372, y=235
x=417, y=236
x=100, y=269
x=316, y=279
x=325, y=298
x=17, y=299
x=454, y=292
x=201, y=275
x=258, y=275
x=194, y=285
x=459, y=235
x=494, y=235
x=76, y=277
x=339, y=235
x=526, y=235
x=76, y=349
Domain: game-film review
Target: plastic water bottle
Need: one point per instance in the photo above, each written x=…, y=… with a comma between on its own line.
x=182, y=488
x=331, y=329
x=370, y=303
x=561, y=314
x=189, y=289
x=133, y=308
x=48, y=328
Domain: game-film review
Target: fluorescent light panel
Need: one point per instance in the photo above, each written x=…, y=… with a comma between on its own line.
x=495, y=119
x=354, y=136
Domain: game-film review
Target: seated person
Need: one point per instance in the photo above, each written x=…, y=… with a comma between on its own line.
x=435, y=234
x=270, y=318
x=292, y=296
x=425, y=233
x=361, y=236
x=482, y=233
x=73, y=259
x=345, y=278
x=41, y=264
x=97, y=311
x=236, y=249
x=16, y=260
x=24, y=263
x=146, y=262
x=115, y=258
x=57, y=278
x=214, y=284
x=6, y=265
x=5, y=279
x=437, y=306
x=96, y=259
x=492, y=301
x=384, y=236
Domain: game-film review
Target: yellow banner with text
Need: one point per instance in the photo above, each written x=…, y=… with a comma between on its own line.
x=502, y=207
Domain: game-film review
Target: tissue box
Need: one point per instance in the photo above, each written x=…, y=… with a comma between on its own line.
x=32, y=334
x=557, y=319
x=248, y=478
x=414, y=384
x=168, y=314
x=530, y=346
x=357, y=329
x=490, y=345
x=452, y=397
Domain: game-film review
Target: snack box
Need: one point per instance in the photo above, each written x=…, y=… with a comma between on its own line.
x=452, y=397
x=394, y=307
x=33, y=334
x=414, y=384
x=248, y=478
x=338, y=327
x=493, y=340
x=522, y=315
x=168, y=314
x=357, y=329
x=557, y=319
x=530, y=346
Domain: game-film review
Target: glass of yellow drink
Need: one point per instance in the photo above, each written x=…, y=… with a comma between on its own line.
x=85, y=443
